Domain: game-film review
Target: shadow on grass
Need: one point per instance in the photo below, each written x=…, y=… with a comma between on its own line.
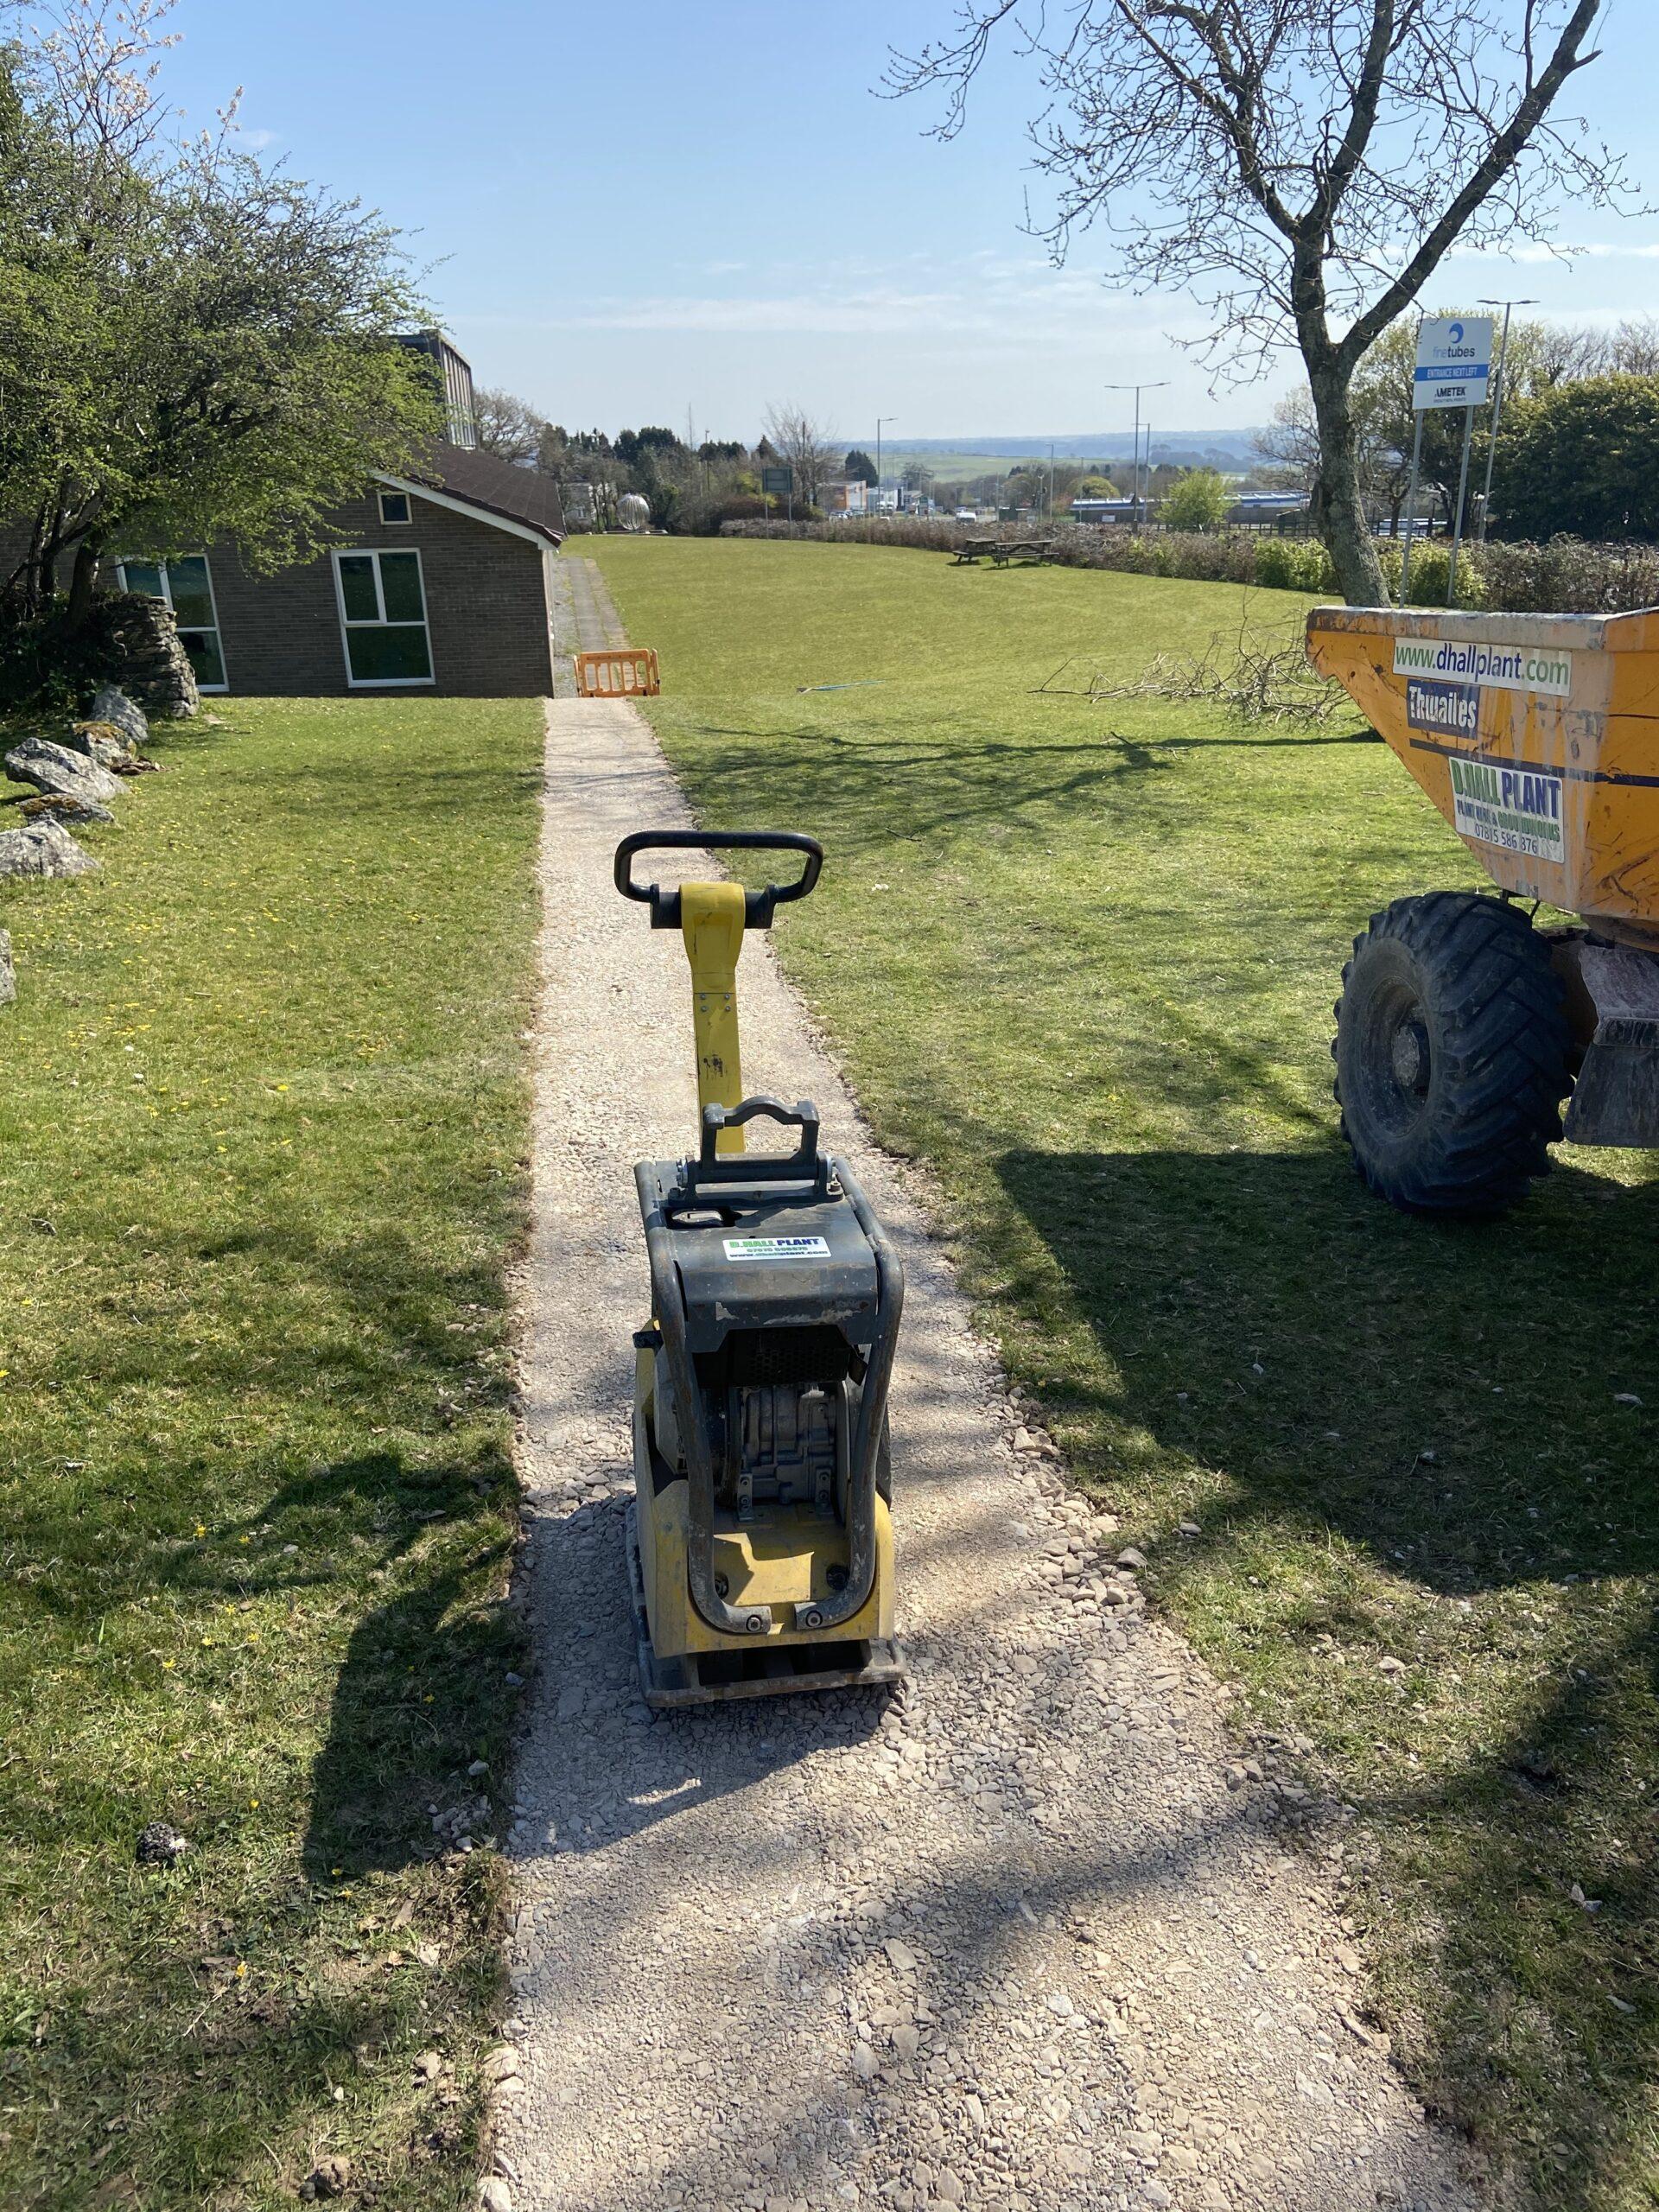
x=407, y=1540
x=955, y=776
x=1263, y=1306
x=1443, y=1399
x=420, y=1694
x=1541, y=2026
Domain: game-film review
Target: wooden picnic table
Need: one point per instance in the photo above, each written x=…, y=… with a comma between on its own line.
x=1001, y=551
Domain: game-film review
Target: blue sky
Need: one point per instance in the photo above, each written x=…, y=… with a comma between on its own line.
x=641, y=208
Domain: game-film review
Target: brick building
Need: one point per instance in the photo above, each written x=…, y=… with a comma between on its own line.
x=440, y=582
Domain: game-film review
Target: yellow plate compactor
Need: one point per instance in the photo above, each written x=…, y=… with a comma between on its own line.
x=760, y=1543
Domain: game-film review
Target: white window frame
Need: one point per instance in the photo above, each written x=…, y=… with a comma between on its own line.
x=382, y=683
x=398, y=522
x=207, y=690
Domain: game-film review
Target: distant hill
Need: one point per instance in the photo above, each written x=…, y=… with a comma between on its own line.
x=1227, y=450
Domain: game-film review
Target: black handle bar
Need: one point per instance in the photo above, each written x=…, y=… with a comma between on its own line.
x=757, y=905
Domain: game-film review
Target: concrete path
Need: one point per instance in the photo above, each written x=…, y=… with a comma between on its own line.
x=1026, y=1935
x=584, y=618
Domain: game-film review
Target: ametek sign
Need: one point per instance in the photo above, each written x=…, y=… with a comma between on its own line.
x=1454, y=361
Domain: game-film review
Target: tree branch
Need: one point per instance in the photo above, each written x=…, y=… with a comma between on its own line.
x=1502, y=156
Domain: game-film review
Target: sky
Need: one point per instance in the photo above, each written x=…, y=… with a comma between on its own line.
x=644, y=211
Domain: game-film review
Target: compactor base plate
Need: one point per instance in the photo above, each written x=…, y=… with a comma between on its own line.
x=765, y=1669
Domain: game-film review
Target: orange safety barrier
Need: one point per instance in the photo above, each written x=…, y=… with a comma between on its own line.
x=631, y=673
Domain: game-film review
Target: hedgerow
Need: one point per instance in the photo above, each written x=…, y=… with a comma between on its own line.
x=1566, y=575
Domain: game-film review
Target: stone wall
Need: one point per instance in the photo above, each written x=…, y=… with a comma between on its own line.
x=148, y=661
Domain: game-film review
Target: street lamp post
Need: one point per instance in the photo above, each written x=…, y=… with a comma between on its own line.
x=1137, y=389
x=880, y=421
x=1508, y=307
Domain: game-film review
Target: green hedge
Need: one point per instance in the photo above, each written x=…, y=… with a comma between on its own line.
x=1566, y=575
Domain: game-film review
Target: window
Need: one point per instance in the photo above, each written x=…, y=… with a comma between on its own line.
x=187, y=585
x=394, y=507
x=383, y=616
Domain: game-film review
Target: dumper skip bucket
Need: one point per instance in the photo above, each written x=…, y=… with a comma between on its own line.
x=1535, y=735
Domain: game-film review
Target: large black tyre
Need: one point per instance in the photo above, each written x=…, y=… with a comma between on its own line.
x=1451, y=1050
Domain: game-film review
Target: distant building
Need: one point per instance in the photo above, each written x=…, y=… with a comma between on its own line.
x=851, y=497
x=455, y=380
x=1249, y=509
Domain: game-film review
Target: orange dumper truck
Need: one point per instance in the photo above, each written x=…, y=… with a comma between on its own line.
x=1463, y=1026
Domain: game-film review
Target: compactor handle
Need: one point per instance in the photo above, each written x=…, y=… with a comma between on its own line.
x=805, y=1165
x=757, y=905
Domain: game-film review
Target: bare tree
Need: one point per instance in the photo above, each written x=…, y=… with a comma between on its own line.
x=810, y=447
x=1559, y=354
x=508, y=426
x=1287, y=449
x=1633, y=351
x=1302, y=167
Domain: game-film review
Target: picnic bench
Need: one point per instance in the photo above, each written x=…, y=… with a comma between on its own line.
x=1001, y=551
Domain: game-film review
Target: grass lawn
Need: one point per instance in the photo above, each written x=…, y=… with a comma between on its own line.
x=1080, y=960
x=261, y=1128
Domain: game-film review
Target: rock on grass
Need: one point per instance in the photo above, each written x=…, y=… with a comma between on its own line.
x=329, y=2177
x=43, y=849
x=158, y=1844
x=52, y=767
x=112, y=705
x=59, y=806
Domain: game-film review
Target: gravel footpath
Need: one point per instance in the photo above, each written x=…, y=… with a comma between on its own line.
x=1027, y=1935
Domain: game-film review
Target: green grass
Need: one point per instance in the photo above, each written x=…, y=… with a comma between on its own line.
x=261, y=1128
x=1080, y=960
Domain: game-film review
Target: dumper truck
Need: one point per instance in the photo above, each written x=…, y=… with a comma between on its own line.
x=1468, y=1020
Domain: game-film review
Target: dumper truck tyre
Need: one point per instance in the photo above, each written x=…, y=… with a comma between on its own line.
x=1452, y=1052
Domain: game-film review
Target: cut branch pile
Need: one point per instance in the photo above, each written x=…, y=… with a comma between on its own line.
x=1257, y=681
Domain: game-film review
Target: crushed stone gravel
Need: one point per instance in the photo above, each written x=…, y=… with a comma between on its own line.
x=1026, y=1936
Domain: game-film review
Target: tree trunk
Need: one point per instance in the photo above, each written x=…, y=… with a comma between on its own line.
x=83, y=581
x=1337, y=510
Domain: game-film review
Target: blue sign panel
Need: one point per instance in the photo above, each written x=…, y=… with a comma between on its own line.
x=1446, y=709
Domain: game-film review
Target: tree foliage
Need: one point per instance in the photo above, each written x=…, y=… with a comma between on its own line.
x=1199, y=501
x=193, y=344
x=1302, y=167
x=1582, y=459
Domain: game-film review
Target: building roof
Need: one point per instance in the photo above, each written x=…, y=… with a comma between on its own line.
x=520, y=497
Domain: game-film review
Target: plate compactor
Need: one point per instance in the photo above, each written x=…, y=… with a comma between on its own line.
x=760, y=1542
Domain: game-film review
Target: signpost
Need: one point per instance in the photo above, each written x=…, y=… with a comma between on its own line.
x=1454, y=367
x=779, y=484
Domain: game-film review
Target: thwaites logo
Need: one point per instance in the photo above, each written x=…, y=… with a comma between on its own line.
x=1444, y=710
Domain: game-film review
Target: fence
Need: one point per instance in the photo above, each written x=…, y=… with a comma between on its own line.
x=628, y=673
